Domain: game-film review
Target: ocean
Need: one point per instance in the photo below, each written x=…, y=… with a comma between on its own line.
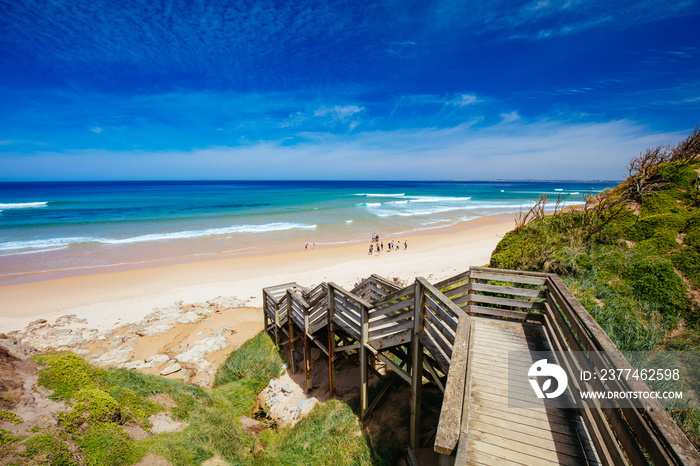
x=78, y=226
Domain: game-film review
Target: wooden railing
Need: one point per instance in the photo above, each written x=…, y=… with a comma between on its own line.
x=435, y=324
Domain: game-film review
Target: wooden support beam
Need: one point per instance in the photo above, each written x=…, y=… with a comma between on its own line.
x=364, y=337
x=331, y=340
x=277, y=325
x=381, y=394
x=417, y=363
x=291, y=332
x=394, y=367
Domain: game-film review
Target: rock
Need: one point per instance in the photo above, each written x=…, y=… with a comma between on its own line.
x=188, y=318
x=114, y=357
x=136, y=432
x=158, y=359
x=171, y=369
x=162, y=423
x=195, y=355
x=251, y=425
x=224, y=330
x=153, y=330
x=305, y=406
x=215, y=460
x=286, y=388
x=153, y=460
x=226, y=302
x=202, y=311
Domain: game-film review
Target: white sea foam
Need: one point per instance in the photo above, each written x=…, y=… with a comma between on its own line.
x=268, y=227
x=438, y=199
x=53, y=243
x=348, y=221
x=17, y=247
x=24, y=205
x=558, y=189
x=381, y=194
x=372, y=204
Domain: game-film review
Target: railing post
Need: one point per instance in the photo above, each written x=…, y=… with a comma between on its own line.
x=291, y=331
x=331, y=341
x=307, y=351
x=277, y=323
x=417, y=366
x=364, y=337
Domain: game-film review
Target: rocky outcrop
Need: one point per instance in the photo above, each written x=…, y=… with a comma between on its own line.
x=116, y=348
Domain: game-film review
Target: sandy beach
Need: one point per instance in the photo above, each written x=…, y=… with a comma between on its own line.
x=114, y=297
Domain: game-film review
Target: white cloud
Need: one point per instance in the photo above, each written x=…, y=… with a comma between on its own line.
x=463, y=100
x=520, y=149
x=341, y=112
x=96, y=129
x=510, y=117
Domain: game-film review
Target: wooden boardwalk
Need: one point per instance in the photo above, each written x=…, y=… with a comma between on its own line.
x=465, y=336
x=497, y=433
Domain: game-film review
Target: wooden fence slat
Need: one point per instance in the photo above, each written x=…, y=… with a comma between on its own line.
x=452, y=280
x=403, y=306
x=441, y=327
x=508, y=290
x=478, y=298
x=492, y=311
x=408, y=291
x=390, y=319
x=508, y=278
x=391, y=329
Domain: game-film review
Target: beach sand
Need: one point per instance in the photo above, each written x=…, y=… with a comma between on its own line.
x=110, y=299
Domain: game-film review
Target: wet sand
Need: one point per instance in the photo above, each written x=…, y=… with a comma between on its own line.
x=111, y=298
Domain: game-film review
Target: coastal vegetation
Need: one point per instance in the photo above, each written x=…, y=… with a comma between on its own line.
x=631, y=255
x=103, y=406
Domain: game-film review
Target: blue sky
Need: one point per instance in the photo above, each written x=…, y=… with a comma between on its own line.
x=149, y=89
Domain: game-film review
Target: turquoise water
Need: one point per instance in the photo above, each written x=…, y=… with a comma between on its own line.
x=67, y=226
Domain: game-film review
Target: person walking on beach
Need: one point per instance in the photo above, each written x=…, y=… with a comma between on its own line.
x=306, y=247
x=371, y=248
x=405, y=244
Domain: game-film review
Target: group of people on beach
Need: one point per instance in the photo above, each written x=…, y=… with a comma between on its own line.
x=380, y=245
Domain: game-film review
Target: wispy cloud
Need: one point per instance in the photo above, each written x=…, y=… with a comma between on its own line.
x=544, y=19
x=516, y=149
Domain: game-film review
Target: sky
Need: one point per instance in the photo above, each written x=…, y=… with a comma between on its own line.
x=327, y=89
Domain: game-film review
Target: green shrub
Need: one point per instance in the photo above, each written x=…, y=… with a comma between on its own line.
x=105, y=443
x=10, y=417
x=133, y=406
x=48, y=449
x=517, y=250
x=658, y=202
x=662, y=243
x=257, y=359
x=653, y=280
x=119, y=382
x=330, y=434
x=66, y=374
x=177, y=447
x=92, y=405
x=687, y=260
x=651, y=225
